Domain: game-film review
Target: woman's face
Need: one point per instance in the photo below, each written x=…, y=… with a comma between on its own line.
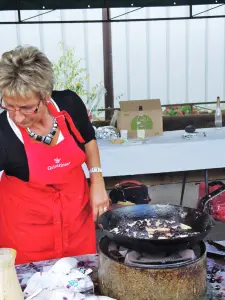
x=25, y=112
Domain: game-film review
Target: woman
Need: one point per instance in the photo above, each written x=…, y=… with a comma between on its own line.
x=46, y=208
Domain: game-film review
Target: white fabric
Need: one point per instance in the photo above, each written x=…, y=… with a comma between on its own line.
x=167, y=153
x=63, y=281
x=18, y=133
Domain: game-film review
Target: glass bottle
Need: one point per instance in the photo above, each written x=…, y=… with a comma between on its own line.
x=141, y=124
x=9, y=284
x=218, y=115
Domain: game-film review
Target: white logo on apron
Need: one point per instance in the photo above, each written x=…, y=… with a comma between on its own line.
x=57, y=160
x=58, y=164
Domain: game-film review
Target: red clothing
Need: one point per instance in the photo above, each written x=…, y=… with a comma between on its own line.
x=50, y=216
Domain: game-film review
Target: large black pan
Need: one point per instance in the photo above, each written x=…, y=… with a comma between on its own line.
x=199, y=221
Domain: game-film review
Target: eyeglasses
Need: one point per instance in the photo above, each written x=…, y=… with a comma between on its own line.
x=22, y=110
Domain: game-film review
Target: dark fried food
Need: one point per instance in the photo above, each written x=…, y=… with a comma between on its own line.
x=154, y=229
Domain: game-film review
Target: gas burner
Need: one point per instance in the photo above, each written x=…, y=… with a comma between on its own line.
x=150, y=260
x=134, y=258
x=128, y=275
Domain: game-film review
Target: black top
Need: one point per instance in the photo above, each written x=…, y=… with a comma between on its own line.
x=13, y=158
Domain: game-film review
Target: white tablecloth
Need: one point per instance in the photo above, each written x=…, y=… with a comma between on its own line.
x=167, y=153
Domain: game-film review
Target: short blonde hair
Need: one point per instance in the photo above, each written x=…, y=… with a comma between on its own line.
x=25, y=70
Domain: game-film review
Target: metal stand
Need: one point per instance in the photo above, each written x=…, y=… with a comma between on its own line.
x=206, y=179
x=206, y=176
x=183, y=188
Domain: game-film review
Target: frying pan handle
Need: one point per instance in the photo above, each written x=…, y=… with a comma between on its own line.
x=99, y=225
x=210, y=225
x=208, y=228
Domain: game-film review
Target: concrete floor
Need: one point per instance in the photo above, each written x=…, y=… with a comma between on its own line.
x=170, y=193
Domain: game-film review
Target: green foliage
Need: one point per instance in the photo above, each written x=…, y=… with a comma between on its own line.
x=69, y=74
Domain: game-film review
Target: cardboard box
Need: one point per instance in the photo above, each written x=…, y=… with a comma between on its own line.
x=129, y=112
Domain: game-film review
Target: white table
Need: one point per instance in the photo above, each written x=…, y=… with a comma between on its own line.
x=163, y=154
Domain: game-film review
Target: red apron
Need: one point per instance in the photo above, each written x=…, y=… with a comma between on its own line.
x=50, y=216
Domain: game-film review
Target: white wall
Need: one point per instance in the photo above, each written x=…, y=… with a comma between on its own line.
x=86, y=38
x=176, y=61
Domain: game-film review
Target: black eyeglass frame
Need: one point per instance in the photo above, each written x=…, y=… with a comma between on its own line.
x=14, y=110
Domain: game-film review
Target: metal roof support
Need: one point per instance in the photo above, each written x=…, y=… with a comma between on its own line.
x=38, y=15
x=190, y=11
x=108, y=63
x=113, y=20
x=18, y=10
x=202, y=12
x=129, y=12
x=116, y=18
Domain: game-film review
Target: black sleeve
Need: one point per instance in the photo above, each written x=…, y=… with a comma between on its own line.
x=3, y=154
x=72, y=103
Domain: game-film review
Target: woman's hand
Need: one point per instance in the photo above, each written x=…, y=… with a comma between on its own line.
x=98, y=195
x=99, y=199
